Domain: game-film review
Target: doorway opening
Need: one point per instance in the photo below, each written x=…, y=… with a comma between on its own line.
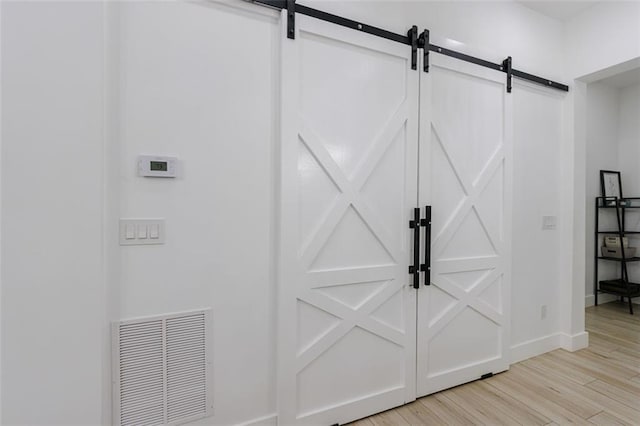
x=613, y=145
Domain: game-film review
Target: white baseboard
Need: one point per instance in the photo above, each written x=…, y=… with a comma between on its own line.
x=590, y=299
x=541, y=345
x=535, y=347
x=270, y=420
x=574, y=342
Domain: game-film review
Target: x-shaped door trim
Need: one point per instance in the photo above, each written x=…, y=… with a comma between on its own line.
x=472, y=190
x=350, y=189
x=350, y=196
x=464, y=299
x=349, y=318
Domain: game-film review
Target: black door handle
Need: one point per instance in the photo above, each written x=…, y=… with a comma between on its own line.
x=426, y=266
x=415, y=268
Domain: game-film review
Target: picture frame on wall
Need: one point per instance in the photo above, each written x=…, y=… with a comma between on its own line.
x=611, y=185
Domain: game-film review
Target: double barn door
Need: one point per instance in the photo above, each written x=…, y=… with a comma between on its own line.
x=365, y=141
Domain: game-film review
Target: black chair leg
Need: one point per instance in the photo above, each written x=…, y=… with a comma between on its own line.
x=630, y=306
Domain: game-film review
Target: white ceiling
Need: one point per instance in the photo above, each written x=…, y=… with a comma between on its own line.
x=562, y=10
x=624, y=79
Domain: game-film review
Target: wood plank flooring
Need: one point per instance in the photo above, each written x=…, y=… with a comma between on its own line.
x=597, y=385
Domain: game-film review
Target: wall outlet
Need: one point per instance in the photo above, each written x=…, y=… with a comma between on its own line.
x=543, y=312
x=549, y=222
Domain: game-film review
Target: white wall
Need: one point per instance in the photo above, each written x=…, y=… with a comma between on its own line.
x=629, y=139
x=1, y=150
x=536, y=256
x=197, y=80
x=603, y=109
x=604, y=35
x=52, y=190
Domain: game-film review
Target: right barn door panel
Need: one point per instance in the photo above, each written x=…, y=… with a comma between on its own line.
x=465, y=175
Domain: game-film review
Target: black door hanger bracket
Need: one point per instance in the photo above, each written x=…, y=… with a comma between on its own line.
x=413, y=37
x=291, y=19
x=508, y=68
x=423, y=43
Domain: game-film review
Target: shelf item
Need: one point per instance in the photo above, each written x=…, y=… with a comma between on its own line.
x=622, y=207
x=613, y=245
x=630, y=203
x=620, y=203
x=614, y=242
x=618, y=232
x=620, y=286
x=616, y=252
x=610, y=184
x=619, y=259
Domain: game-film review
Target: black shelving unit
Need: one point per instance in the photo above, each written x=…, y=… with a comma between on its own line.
x=620, y=286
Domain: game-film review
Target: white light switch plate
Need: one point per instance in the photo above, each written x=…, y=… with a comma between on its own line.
x=549, y=222
x=135, y=232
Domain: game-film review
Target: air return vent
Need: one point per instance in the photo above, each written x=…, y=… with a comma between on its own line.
x=162, y=369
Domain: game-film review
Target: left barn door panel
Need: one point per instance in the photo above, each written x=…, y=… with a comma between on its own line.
x=346, y=343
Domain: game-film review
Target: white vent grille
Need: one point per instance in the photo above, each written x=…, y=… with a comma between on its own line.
x=161, y=369
x=186, y=372
x=141, y=374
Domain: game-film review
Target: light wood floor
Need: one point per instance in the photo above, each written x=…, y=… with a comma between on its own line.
x=598, y=385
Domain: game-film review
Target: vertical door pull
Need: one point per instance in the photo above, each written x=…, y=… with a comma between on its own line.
x=426, y=266
x=415, y=268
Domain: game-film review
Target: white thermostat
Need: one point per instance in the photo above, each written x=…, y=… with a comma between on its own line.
x=157, y=166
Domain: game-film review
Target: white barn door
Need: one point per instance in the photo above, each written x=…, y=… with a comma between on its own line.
x=346, y=334
x=465, y=175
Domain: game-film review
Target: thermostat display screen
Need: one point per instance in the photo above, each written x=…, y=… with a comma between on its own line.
x=159, y=166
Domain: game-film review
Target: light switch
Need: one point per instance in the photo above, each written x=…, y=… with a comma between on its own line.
x=154, y=232
x=130, y=232
x=141, y=232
